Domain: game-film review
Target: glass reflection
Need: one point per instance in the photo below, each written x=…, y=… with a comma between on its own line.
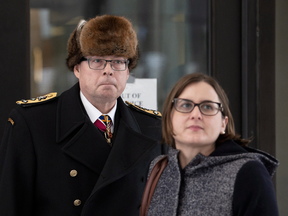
x=172, y=39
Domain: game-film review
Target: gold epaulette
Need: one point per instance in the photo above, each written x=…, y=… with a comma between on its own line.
x=144, y=110
x=11, y=121
x=37, y=100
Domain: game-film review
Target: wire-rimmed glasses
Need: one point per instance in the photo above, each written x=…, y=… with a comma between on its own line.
x=100, y=64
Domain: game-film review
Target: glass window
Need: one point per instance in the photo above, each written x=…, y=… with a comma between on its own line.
x=281, y=100
x=172, y=39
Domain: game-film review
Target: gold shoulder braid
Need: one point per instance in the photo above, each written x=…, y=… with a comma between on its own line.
x=11, y=121
x=37, y=100
x=141, y=109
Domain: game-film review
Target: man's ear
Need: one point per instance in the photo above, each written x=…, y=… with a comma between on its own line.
x=77, y=70
x=128, y=73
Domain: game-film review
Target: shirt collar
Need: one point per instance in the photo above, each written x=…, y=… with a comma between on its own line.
x=93, y=113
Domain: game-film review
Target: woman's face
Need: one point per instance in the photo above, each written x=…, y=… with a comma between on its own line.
x=195, y=129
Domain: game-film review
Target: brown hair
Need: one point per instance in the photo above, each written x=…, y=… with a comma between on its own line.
x=167, y=128
x=103, y=35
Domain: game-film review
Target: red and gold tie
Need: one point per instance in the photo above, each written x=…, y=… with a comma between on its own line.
x=104, y=123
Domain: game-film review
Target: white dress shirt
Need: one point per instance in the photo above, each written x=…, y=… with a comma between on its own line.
x=94, y=113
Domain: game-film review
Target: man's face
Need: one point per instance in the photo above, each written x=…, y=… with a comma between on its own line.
x=101, y=86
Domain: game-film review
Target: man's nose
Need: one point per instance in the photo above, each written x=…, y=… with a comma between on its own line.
x=108, y=69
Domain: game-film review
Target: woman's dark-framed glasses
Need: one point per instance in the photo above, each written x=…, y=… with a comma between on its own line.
x=207, y=108
x=100, y=64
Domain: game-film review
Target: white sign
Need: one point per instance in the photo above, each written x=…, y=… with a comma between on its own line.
x=143, y=92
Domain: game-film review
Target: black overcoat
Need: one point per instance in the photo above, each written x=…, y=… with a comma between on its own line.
x=54, y=161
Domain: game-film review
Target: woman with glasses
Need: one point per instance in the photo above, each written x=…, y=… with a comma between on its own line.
x=210, y=170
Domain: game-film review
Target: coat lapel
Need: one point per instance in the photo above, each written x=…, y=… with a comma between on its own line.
x=81, y=140
x=77, y=134
x=70, y=114
x=129, y=148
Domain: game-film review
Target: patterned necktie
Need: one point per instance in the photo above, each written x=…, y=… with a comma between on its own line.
x=104, y=123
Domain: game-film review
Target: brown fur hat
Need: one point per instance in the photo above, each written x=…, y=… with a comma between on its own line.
x=103, y=35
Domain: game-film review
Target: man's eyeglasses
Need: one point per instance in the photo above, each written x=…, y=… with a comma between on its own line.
x=207, y=108
x=100, y=64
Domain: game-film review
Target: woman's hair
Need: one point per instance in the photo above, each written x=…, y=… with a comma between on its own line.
x=167, y=128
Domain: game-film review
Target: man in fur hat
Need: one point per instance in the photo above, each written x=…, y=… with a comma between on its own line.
x=85, y=152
